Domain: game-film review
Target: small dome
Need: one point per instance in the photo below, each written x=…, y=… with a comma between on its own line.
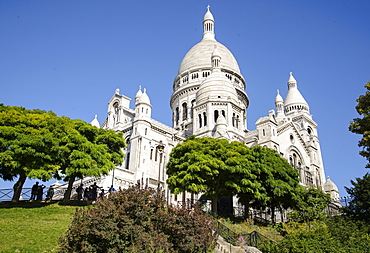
x=138, y=93
x=208, y=15
x=330, y=186
x=144, y=98
x=279, y=98
x=216, y=86
x=294, y=98
x=95, y=122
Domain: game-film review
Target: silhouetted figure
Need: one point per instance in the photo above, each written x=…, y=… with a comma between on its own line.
x=94, y=191
x=88, y=194
x=80, y=192
x=50, y=193
x=34, y=191
x=40, y=191
x=102, y=193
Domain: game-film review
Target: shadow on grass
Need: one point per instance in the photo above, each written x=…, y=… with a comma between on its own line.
x=38, y=204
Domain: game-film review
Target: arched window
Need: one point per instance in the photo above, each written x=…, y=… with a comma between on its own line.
x=116, y=112
x=184, y=111
x=127, y=157
x=309, y=180
x=233, y=119
x=115, y=106
x=205, y=118
x=200, y=120
x=192, y=106
x=215, y=115
x=296, y=162
x=177, y=116
x=237, y=121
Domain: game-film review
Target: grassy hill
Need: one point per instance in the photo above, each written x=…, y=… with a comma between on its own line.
x=33, y=226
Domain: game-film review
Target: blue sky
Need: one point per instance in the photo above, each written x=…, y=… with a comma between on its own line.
x=69, y=57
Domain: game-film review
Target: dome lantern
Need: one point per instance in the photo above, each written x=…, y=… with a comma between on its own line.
x=208, y=25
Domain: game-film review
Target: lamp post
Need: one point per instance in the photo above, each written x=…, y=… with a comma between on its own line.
x=160, y=148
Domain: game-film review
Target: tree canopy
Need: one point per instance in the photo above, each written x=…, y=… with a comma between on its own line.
x=279, y=181
x=311, y=205
x=88, y=151
x=362, y=125
x=360, y=194
x=39, y=144
x=28, y=147
x=199, y=165
x=219, y=168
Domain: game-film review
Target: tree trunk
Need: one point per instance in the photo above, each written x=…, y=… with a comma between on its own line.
x=214, y=205
x=246, y=211
x=273, y=215
x=18, y=187
x=67, y=194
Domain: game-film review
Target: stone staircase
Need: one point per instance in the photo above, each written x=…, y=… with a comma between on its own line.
x=224, y=247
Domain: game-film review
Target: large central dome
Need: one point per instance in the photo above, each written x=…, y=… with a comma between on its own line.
x=199, y=56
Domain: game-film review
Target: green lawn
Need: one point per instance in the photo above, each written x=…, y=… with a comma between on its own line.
x=33, y=227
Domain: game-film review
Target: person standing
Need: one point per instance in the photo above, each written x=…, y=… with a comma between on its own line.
x=94, y=191
x=40, y=191
x=34, y=191
x=102, y=194
x=50, y=193
x=80, y=192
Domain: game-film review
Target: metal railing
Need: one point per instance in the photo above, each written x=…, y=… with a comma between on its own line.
x=7, y=194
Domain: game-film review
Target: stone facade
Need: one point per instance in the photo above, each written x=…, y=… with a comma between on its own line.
x=209, y=99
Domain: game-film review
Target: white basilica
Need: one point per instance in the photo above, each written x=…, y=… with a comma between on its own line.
x=209, y=99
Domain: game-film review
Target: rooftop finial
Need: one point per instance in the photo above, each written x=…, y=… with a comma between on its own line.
x=208, y=25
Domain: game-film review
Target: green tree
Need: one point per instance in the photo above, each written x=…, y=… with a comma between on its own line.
x=28, y=147
x=311, y=205
x=246, y=176
x=218, y=168
x=88, y=151
x=360, y=194
x=279, y=182
x=39, y=144
x=202, y=165
x=362, y=125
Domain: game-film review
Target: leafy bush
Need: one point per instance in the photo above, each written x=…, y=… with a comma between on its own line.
x=352, y=234
x=335, y=234
x=308, y=237
x=137, y=220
